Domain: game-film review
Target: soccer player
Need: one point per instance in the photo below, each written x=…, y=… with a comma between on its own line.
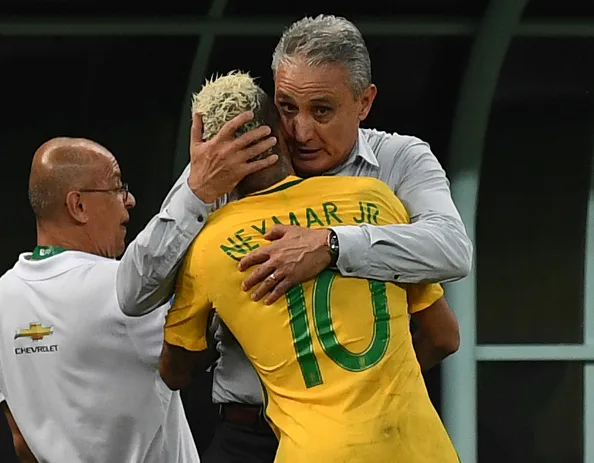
x=324, y=90
x=335, y=356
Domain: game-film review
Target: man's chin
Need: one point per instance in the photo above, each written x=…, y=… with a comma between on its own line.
x=310, y=167
x=119, y=251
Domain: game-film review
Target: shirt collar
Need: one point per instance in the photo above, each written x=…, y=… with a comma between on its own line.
x=31, y=269
x=288, y=181
x=360, y=150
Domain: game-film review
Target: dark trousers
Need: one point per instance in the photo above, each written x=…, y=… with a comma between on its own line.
x=241, y=436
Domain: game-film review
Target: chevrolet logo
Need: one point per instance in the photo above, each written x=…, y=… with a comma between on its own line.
x=36, y=332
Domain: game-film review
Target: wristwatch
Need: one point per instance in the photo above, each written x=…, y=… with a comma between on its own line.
x=333, y=247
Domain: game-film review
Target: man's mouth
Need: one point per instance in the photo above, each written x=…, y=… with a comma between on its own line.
x=307, y=152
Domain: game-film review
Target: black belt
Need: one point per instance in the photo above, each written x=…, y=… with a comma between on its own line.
x=243, y=414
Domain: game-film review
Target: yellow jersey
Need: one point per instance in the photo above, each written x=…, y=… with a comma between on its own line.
x=341, y=381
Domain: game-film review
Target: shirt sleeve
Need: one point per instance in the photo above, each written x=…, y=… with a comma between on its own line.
x=2, y=398
x=422, y=296
x=146, y=274
x=433, y=248
x=186, y=324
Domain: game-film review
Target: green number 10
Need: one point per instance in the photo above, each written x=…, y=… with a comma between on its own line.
x=344, y=358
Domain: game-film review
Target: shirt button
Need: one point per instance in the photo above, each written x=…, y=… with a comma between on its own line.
x=349, y=270
x=200, y=218
x=396, y=277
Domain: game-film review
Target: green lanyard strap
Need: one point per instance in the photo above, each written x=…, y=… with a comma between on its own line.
x=43, y=252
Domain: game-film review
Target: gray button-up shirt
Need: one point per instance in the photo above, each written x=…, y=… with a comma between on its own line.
x=147, y=270
x=433, y=248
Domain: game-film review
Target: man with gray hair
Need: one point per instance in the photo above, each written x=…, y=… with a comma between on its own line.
x=333, y=341
x=324, y=90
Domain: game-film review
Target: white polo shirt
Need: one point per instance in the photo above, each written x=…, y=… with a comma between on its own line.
x=80, y=377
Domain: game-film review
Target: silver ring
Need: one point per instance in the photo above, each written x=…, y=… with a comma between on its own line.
x=272, y=276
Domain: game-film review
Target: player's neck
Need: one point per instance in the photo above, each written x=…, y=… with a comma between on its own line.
x=264, y=179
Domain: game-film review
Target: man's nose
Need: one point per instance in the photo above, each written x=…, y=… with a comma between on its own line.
x=303, y=128
x=130, y=201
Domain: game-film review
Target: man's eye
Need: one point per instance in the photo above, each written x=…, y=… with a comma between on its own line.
x=322, y=111
x=288, y=107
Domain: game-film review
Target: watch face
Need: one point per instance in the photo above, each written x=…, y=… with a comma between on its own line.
x=334, y=242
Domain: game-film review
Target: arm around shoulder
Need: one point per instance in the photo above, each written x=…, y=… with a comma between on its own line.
x=424, y=189
x=420, y=181
x=434, y=247
x=146, y=274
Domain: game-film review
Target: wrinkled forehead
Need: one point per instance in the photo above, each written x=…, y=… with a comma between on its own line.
x=105, y=165
x=299, y=80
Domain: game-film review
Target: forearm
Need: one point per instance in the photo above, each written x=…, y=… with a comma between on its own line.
x=24, y=454
x=435, y=249
x=146, y=274
x=21, y=449
x=437, y=334
x=428, y=355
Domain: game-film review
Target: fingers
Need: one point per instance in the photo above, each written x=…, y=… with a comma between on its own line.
x=251, y=137
x=196, y=132
x=232, y=126
x=259, y=275
x=267, y=286
x=252, y=151
x=260, y=164
x=259, y=256
x=276, y=232
x=279, y=291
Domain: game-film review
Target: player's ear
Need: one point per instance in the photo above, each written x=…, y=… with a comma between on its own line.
x=77, y=207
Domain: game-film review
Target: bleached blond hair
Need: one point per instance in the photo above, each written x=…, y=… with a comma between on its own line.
x=224, y=97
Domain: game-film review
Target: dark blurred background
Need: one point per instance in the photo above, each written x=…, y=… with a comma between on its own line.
x=127, y=92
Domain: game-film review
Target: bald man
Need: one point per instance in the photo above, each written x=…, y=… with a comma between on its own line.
x=64, y=205
x=79, y=377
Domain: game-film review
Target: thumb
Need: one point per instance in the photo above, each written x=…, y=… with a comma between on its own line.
x=276, y=232
x=196, y=133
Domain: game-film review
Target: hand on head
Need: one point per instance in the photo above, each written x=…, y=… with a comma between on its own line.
x=234, y=131
x=219, y=164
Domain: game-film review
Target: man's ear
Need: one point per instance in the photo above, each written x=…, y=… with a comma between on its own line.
x=77, y=207
x=367, y=98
